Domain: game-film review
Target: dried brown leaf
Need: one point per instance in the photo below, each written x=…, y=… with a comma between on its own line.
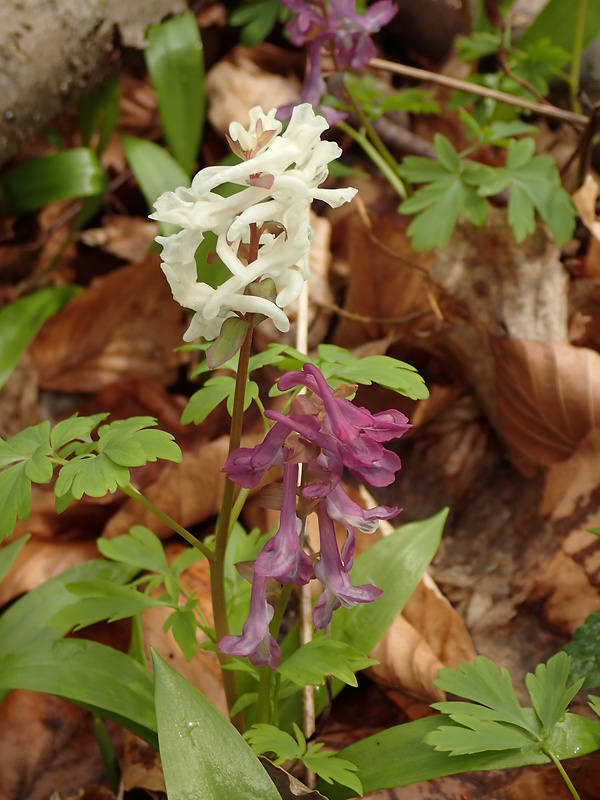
x=124, y=325
x=548, y=397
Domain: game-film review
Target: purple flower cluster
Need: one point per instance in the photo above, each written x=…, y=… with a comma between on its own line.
x=335, y=25
x=326, y=433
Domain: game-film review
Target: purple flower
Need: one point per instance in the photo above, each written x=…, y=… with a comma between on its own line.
x=332, y=571
x=355, y=435
x=342, y=508
x=282, y=557
x=336, y=25
x=255, y=642
x=247, y=465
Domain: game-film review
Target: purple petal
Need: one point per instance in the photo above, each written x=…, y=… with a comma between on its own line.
x=342, y=508
x=247, y=465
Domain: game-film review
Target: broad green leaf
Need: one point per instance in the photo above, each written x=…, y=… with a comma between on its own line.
x=21, y=320
x=25, y=622
x=98, y=114
x=398, y=756
x=175, y=62
x=584, y=650
x=10, y=552
x=549, y=692
x=92, y=675
x=556, y=21
x=202, y=754
x=101, y=600
x=482, y=682
x=156, y=172
x=37, y=182
x=257, y=19
x=140, y=547
x=314, y=661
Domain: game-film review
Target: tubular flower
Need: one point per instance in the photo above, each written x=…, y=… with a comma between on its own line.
x=255, y=642
x=279, y=178
x=334, y=25
x=326, y=433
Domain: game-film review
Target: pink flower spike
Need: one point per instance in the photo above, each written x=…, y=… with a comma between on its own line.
x=255, y=642
x=282, y=557
x=247, y=465
x=333, y=574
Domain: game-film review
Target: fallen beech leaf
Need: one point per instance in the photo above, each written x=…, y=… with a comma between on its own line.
x=548, y=397
x=585, y=202
x=140, y=766
x=124, y=325
x=385, y=280
x=569, y=484
x=407, y=662
x=122, y=236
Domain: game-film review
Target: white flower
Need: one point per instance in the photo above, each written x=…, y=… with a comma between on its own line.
x=280, y=177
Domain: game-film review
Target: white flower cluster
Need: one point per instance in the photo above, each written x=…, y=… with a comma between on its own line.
x=280, y=175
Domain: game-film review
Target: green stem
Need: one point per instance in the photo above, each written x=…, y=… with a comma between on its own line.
x=263, y=704
x=136, y=495
x=577, y=50
x=376, y=140
x=563, y=773
x=389, y=173
x=217, y=570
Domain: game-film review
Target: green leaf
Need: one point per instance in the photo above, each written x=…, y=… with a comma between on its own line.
x=140, y=547
x=315, y=660
x=99, y=678
x=25, y=622
x=202, y=754
x=398, y=756
x=557, y=21
x=328, y=766
x=92, y=475
x=549, y=692
x=21, y=320
x=185, y=628
x=228, y=343
x=264, y=738
x=15, y=493
x=535, y=186
x=205, y=400
x=98, y=114
x=257, y=19
x=156, y=171
x=10, y=552
x=482, y=682
x=175, y=62
x=584, y=650
x=414, y=101
x=451, y=193
x=477, y=735
x=101, y=600
x=386, y=371
x=37, y=182
x=74, y=428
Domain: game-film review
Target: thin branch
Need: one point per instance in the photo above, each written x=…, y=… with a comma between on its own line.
x=481, y=91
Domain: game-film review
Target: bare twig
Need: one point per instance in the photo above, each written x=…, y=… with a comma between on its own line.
x=481, y=91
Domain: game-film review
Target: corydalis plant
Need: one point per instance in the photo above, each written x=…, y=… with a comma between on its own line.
x=335, y=26
x=326, y=433
x=263, y=235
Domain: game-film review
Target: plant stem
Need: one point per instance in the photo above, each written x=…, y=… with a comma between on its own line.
x=217, y=570
x=577, y=49
x=563, y=773
x=136, y=495
x=263, y=703
x=376, y=158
